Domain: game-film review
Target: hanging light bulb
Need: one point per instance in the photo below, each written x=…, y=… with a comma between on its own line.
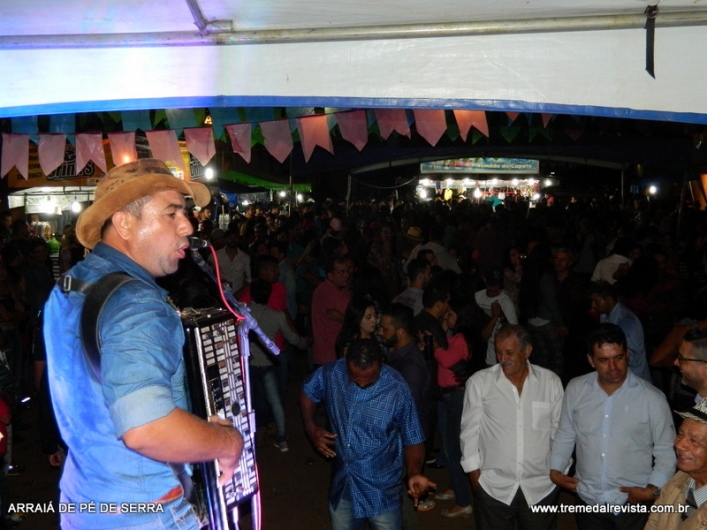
x=209, y=173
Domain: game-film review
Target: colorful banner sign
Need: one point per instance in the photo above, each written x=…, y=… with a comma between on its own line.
x=520, y=166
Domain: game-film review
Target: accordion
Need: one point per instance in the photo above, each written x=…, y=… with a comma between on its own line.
x=218, y=384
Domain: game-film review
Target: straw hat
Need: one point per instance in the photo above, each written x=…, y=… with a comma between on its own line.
x=127, y=183
x=414, y=233
x=696, y=413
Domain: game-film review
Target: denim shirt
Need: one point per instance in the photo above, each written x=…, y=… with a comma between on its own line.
x=143, y=374
x=372, y=425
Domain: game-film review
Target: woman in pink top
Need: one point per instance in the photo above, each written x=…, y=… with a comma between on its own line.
x=454, y=366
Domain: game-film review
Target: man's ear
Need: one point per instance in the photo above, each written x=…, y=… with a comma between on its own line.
x=122, y=223
x=590, y=360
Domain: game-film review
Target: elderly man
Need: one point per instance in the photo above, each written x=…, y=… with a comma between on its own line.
x=125, y=425
x=686, y=492
x=511, y=413
x=374, y=428
x=623, y=432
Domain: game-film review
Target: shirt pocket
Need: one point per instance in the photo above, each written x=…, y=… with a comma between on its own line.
x=542, y=416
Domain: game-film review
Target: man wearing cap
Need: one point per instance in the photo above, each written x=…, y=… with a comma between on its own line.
x=496, y=303
x=125, y=426
x=622, y=430
x=686, y=492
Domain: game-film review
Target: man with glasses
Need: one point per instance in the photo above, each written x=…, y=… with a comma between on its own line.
x=692, y=361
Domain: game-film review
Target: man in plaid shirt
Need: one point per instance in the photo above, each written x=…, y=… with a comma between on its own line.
x=374, y=428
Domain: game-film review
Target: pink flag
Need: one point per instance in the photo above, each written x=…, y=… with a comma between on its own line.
x=122, y=147
x=240, y=134
x=200, y=143
x=546, y=119
x=467, y=118
x=430, y=124
x=51, y=151
x=390, y=120
x=354, y=127
x=89, y=146
x=278, y=138
x=15, y=152
x=574, y=130
x=165, y=147
x=313, y=132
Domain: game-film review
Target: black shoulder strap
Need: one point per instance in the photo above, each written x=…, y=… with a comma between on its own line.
x=97, y=296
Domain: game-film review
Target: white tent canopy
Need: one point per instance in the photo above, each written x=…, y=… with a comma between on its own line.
x=554, y=56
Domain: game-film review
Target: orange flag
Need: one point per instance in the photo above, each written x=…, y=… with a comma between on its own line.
x=467, y=118
x=313, y=132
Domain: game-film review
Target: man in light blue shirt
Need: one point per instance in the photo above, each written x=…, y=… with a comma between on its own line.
x=605, y=301
x=622, y=428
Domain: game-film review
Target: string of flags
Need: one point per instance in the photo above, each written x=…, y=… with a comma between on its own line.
x=314, y=130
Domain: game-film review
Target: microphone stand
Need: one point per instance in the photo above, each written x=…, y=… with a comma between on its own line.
x=249, y=323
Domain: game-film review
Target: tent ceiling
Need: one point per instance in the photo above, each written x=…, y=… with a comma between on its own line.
x=580, y=57
x=80, y=17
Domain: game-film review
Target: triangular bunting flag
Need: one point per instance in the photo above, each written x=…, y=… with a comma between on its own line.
x=165, y=147
x=574, y=130
x=62, y=123
x=122, y=147
x=89, y=146
x=430, y=124
x=220, y=116
x=240, y=139
x=314, y=131
x=534, y=131
x=15, y=152
x=259, y=114
x=354, y=127
x=200, y=143
x=136, y=119
x=476, y=136
x=546, y=118
x=513, y=116
x=26, y=125
x=509, y=133
x=180, y=119
x=51, y=151
x=390, y=120
x=278, y=138
x=467, y=118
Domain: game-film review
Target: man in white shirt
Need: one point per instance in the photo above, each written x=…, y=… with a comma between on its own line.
x=511, y=413
x=621, y=429
x=419, y=273
x=496, y=303
x=233, y=263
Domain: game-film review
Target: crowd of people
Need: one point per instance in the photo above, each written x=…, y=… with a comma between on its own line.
x=539, y=346
x=524, y=350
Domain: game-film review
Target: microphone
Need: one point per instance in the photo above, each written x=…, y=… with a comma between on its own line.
x=195, y=243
